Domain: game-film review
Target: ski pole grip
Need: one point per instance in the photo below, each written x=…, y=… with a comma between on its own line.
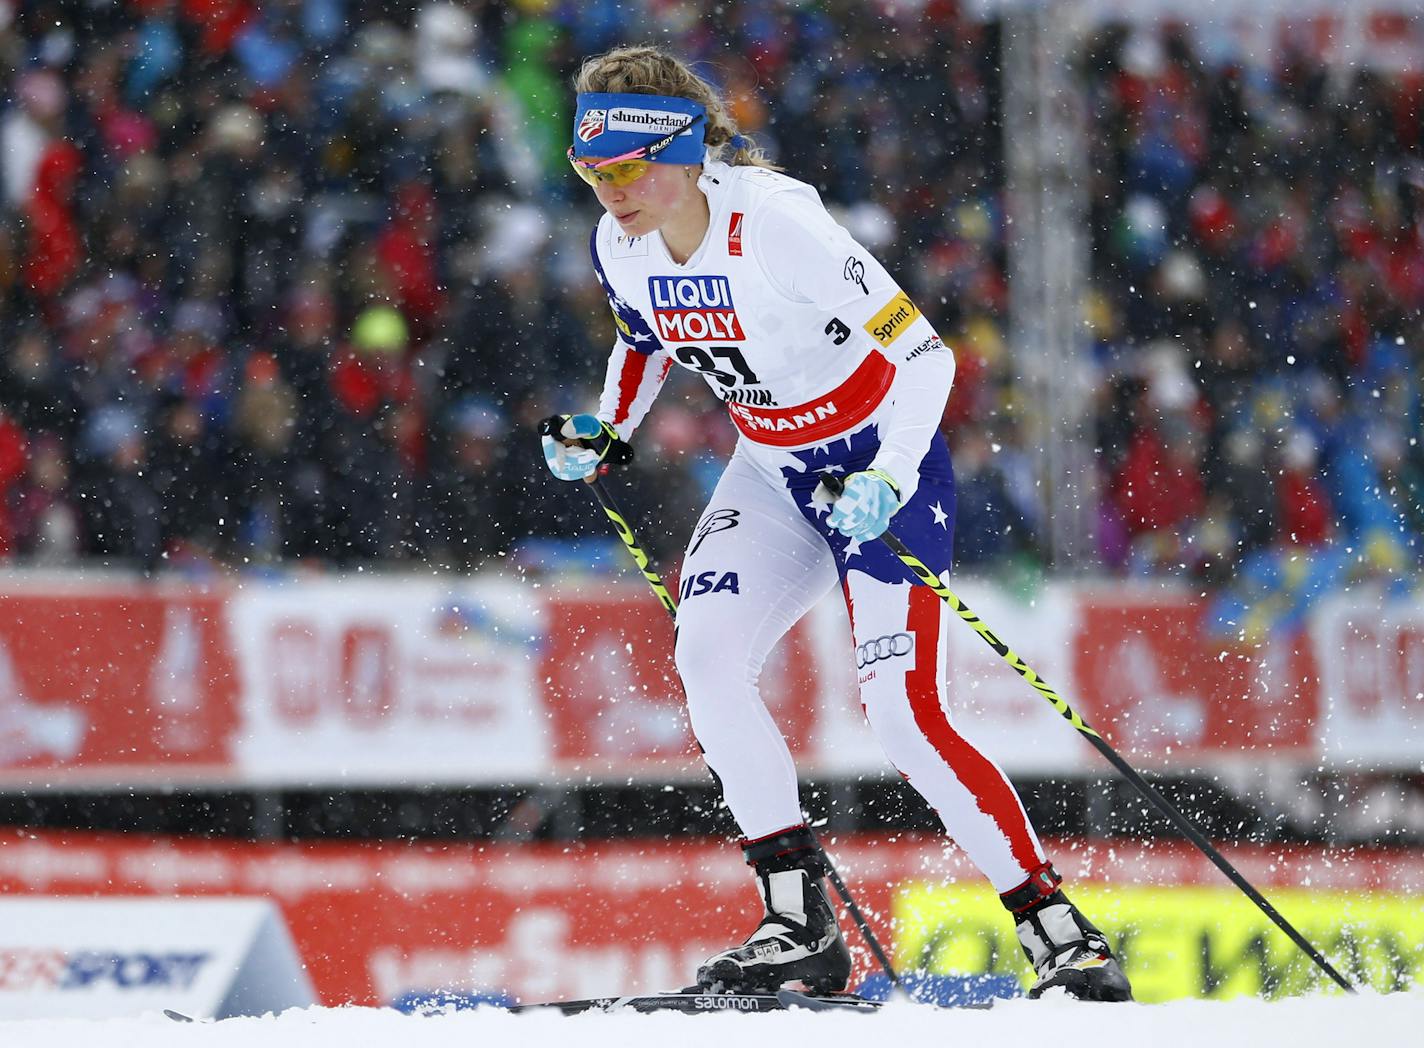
x=834, y=484
x=611, y=450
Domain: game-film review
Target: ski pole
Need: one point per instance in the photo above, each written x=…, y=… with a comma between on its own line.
x=630, y=541
x=836, y=485
x=618, y=454
x=861, y=923
x=635, y=549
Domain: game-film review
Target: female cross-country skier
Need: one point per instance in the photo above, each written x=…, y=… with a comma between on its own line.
x=736, y=271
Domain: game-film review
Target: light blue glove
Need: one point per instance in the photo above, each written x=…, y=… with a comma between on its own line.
x=576, y=463
x=864, y=508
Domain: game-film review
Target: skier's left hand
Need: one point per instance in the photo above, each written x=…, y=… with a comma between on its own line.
x=864, y=508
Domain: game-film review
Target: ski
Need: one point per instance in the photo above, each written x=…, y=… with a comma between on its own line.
x=838, y=1002
x=698, y=1003
x=852, y=1003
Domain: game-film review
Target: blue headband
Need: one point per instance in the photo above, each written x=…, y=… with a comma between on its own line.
x=609, y=125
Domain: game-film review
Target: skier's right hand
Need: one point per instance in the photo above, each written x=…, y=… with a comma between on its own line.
x=575, y=445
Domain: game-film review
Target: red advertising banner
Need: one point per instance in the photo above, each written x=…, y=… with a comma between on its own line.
x=1149, y=677
x=370, y=682
x=128, y=678
x=613, y=694
x=375, y=921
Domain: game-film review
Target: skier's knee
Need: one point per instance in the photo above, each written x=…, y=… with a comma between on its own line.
x=891, y=719
x=700, y=660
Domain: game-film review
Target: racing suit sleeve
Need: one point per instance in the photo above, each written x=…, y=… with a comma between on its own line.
x=638, y=365
x=630, y=386
x=809, y=257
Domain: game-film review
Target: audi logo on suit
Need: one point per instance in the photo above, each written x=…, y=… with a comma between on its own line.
x=873, y=651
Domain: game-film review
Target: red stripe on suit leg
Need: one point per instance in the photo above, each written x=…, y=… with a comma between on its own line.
x=992, y=792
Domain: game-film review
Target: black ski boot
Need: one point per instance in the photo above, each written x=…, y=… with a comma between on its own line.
x=1062, y=945
x=798, y=939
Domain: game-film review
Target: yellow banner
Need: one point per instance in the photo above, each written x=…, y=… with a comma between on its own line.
x=1181, y=942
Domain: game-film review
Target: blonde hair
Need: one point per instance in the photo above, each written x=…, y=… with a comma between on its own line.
x=644, y=70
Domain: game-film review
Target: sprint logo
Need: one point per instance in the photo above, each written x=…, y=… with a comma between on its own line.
x=896, y=315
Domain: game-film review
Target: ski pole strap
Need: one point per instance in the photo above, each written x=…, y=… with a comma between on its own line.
x=795, y=848
x=612, y=449
x=1042, y=884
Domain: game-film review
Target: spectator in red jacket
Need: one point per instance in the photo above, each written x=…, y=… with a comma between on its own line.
x=406, y=253
x=14, y=461
x=1157, y=487
x=54, y=250
x=1304, y=510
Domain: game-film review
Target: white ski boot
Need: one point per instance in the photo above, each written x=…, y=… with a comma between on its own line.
x=798, y=939
x=1063, y=946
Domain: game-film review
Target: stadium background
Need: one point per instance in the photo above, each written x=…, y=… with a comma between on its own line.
x=293, y=611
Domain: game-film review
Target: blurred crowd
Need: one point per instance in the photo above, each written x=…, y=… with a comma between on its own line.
x=289, y=281
x=1258, y=246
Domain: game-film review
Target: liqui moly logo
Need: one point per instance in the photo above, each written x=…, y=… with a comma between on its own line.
x=694, y=309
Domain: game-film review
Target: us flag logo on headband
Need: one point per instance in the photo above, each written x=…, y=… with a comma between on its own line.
x=591, y=124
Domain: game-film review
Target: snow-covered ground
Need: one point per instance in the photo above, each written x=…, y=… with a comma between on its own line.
x=1369, y=1019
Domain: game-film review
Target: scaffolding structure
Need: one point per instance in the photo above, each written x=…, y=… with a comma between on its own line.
x=1046, y=159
